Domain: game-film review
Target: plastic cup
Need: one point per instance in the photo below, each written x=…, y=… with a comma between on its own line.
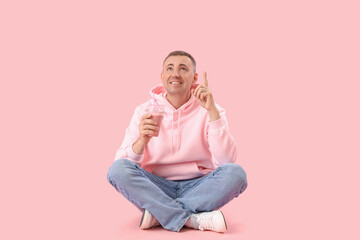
x=157, y=114
x=158, y=117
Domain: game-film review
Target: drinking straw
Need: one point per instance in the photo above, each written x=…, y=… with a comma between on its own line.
x=154, y=100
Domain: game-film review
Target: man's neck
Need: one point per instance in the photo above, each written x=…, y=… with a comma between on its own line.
x=178, y=100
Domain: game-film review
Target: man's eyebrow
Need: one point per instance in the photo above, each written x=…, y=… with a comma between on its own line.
x=181, y=64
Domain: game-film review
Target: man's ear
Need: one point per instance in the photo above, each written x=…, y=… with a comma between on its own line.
x=195, y=78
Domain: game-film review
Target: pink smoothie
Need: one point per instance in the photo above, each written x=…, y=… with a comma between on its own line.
x=158, y=117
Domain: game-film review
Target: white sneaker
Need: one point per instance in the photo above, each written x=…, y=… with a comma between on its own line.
x=148, y=221
x=213, y=221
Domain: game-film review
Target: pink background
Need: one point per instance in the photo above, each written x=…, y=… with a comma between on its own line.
x=287, y=72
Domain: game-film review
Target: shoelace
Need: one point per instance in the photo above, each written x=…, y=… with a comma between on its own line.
x=205, y=222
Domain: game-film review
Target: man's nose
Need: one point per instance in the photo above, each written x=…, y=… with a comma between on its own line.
x=175, y=74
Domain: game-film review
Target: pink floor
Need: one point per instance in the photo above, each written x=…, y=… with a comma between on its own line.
x=285, y=205
x=87, y=207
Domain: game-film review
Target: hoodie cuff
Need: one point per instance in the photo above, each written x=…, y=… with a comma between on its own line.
x=132, y=155
x=216, y=126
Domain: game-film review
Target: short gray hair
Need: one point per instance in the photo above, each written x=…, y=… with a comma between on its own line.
x=182, y=53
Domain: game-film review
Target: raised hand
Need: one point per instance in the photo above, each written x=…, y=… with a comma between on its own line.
x=204, y=96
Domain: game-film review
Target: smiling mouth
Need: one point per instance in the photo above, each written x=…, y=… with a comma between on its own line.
x=175, y=82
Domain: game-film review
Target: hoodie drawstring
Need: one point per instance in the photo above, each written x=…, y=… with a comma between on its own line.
x=172, y=132
x=177, y=132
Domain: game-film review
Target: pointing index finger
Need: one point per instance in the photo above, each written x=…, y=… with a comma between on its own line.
x=205, y=80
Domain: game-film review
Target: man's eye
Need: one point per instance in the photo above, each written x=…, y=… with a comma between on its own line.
x=169, y=68
x=183, y=69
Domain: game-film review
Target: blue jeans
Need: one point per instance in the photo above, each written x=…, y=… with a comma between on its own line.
x=172, y=202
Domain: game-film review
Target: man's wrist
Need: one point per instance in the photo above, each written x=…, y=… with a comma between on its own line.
x=139, y=146
x=142, y=141
x=213, y=114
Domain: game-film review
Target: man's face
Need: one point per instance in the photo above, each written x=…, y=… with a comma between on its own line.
x=178, y=75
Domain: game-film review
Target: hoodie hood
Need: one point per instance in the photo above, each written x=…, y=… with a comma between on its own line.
x=159, y=93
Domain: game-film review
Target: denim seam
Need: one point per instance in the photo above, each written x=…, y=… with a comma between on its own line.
x=188, y=215
x=177, y=190
x=179, y=203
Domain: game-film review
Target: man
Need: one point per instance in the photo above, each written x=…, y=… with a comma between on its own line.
x=187, y=172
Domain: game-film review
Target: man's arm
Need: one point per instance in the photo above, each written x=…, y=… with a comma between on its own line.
x=221, y=143
x=131, y=135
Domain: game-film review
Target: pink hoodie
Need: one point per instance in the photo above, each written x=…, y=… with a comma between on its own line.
x=188, y=145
